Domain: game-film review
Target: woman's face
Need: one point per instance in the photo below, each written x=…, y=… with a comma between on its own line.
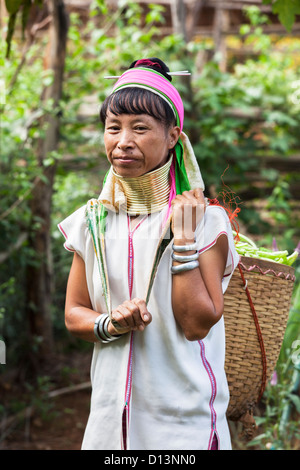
x=137, y=143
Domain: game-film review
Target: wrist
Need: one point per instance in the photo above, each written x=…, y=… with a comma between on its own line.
x=186, y=245
x=114, y=331
x=184, y=255
x=111, y=329
x=184, y=240
x=101, y=329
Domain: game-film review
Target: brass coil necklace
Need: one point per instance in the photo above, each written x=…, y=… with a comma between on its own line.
x=147, y=193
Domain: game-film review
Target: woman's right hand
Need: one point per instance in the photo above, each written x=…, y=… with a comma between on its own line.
x=130, y=315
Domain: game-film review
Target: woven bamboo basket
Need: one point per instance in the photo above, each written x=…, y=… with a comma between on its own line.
x=253, y=344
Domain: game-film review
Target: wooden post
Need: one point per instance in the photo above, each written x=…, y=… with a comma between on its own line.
x=221, y=26
x=192, y=16
x=178, y=17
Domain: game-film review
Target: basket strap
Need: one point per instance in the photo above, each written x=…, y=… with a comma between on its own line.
x=260, y=337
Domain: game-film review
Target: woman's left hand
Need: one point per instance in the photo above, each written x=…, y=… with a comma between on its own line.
x=130, y=315
x=187, y=211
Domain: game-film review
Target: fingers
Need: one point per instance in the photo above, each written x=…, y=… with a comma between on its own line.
x=188, y=209
x=144, y=313
x=198, y=194
x=194, y=196
x=132, y=315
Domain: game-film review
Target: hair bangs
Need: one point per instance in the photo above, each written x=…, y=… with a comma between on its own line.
x=133, y=100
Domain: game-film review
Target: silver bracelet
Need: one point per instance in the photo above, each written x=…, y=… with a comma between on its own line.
x=101, y=331
x=182, y=248
x=184, y=259
x=99, y=322
x=184, y=267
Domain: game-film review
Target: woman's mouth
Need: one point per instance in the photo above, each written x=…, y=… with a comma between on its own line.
x=125, y=159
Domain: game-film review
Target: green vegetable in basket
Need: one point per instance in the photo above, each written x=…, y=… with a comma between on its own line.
x=246, y=247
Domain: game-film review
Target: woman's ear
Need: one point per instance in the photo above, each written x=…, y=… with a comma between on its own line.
x=174, y=134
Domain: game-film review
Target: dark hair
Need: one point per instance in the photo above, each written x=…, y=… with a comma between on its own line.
x=133, y=100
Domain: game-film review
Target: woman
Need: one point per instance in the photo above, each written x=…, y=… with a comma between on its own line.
x=152, y=260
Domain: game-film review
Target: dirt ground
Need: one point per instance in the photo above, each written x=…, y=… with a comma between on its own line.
x=53, y=415
x=63, y=431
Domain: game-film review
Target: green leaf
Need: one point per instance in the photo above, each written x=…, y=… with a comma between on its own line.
x=287, y=11
x=295, y=400
x=13, y=6
x=25, y=15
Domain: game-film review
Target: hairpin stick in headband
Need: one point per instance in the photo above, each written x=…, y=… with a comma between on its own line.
x=180, y=72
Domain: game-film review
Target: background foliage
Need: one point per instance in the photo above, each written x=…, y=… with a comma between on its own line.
x=265, y=89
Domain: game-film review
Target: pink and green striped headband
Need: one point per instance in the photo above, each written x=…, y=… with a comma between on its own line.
x=142, y=77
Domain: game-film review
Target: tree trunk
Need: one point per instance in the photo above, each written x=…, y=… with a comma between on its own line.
x=221, y=27
x=193, y=13
x=178, y=17
x=39, y=274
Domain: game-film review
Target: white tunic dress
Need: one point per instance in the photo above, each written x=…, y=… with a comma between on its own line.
x=174, y=391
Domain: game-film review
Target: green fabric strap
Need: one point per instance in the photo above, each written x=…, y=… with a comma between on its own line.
x=181, y=178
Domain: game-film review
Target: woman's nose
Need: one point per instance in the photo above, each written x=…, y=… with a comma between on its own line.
x=125, y=140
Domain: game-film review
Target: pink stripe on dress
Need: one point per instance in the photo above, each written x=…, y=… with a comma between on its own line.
x=128, y=386
x=66, y=237
x=212, y=243
x=213, y=383
x=172, y=191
